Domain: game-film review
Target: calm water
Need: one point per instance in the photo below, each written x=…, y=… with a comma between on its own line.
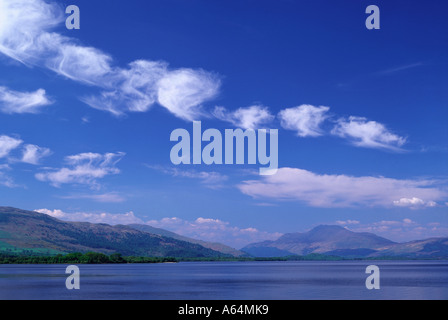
x=229, y=281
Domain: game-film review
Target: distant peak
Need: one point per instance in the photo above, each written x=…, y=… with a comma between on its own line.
x=323, y=227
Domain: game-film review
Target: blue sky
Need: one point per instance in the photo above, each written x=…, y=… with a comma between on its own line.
x=86, y=115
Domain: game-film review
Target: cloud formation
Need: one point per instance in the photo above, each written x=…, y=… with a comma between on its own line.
x=414, y=203
x=306, y=120
x=27, y=36
x=214, y=230
x=13, y=151
x=22, y=102
x=332, y=191
x=246, y=118
x=5, y=179
x=368, y=134
x=84, y=168
x=32, y=154
x=100, y=217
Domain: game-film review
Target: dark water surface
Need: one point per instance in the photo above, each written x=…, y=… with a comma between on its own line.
x=229, y=281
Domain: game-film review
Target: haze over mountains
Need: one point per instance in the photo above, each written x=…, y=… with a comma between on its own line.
x=31, y=232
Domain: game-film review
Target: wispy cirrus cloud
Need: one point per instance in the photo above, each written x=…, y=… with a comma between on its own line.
x=246, y=118
x=83, y=168
x=5, y=179
x=340, y=191
x=27, y=35
x=399, y=68
x=368, y=134
x=110, y=197
x=22, y=102
x=306, y=120
x=210, y=179
x=32, y=154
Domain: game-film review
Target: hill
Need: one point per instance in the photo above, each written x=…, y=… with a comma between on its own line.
x=210, y=245
x=31, y=232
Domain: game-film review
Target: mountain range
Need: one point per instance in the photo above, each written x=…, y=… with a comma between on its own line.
x=338, y=241
x=30, y=232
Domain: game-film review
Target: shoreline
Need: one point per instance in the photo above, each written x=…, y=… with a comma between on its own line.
x=67, y=260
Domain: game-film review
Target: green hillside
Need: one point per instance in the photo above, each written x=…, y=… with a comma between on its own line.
x=31, y=232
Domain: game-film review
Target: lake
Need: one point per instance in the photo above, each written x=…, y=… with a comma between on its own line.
x=229, y=281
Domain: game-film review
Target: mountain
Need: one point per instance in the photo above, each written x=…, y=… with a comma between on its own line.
x=210, y=245
x=321, y=239
x=33, y=232
x=338, y=241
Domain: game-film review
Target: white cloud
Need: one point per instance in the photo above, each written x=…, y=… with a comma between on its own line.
x=405, y=202
x=22, y=102
x=414, y=203
x=84, y=168
x=305, y=119
x=368, y=134
x=348, y=222
x=26, y=35
x=7, y=144
x=183, y=91
x=111, y=197
x=32, y=154
x=101, y=217
x=246, y=118
x=23, y=24
x=214, y=230
x=339, y=190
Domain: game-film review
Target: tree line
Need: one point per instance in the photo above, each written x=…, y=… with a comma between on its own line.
x=81, y=258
